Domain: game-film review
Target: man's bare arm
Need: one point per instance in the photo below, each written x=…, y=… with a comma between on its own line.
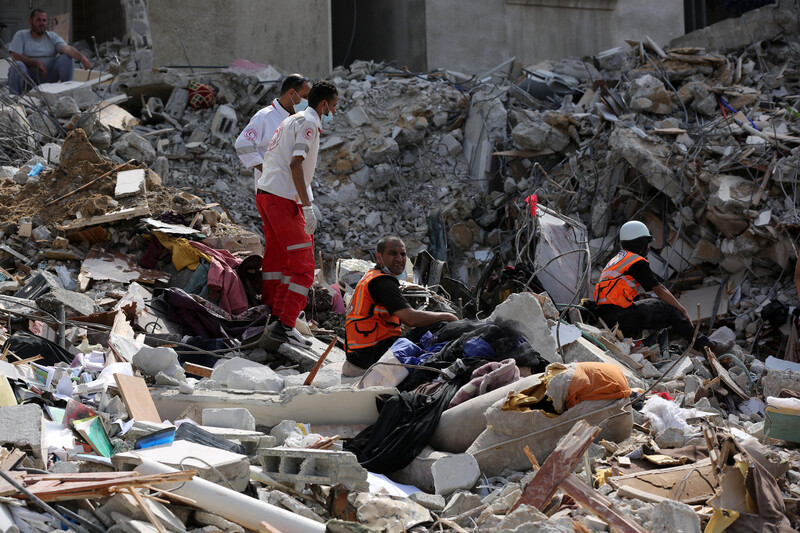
x=416, y=318
x=73, y=52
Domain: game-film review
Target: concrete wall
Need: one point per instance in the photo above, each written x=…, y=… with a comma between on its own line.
x=550, y=29
x=469, y=37
x=292, y=36
x=474, y=36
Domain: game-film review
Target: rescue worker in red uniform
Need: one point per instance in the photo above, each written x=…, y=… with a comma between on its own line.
x=284, y=199
x=625, y=276
x=378, y=309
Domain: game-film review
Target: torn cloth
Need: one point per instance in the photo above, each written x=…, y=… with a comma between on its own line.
x=183, y=254
x=222, y=278
x=487, y=378
x=596, y=381
x=405, y=425
x=202, y=318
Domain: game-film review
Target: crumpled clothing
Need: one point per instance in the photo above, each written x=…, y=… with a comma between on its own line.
x=222, y=277
x=183, y=254
x=204, y=319
x=487, y=378
x=411, y=354
x=528, y=399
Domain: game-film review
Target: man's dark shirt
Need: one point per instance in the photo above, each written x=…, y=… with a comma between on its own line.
x=386, y=291
x=641, y=272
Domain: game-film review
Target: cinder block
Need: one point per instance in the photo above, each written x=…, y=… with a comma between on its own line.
x=319, y=467
x=23, y=428
x=223, y=125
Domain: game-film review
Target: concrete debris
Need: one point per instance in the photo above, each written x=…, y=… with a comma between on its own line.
x=133, y=329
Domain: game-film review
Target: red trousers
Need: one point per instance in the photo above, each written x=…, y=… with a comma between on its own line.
x=287, y=271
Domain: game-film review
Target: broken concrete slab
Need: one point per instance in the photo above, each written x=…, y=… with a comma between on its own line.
x=524, y=312
x=218, y=466
x=126, y=505
x=337, y=405
x=235, y=418
x=649, y=157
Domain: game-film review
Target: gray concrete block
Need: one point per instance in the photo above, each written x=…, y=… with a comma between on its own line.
x=455, y=472
x=320, y=467
x=23, y=428
x=433, y=502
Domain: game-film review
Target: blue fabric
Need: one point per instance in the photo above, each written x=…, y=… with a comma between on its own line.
x=410, y=354
x=477, y=347
x=198, y=283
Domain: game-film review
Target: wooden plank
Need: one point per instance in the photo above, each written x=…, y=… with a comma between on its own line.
x=123, y=214
x=198, y=370
x=26, y=360
x=137, y=398
x=311, y=375
x=9, y=460
x=73, y=490
x=599, y=505
x=143, y=505
x=558, y=466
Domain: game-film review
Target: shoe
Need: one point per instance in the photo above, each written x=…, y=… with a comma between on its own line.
x=720, y=348
x=276, y=335
x=297, y=338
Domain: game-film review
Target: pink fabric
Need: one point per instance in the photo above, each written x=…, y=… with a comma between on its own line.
x=223, y=278
x=487, y=378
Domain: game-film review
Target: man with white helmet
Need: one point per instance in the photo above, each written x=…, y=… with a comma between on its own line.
x=620, y=283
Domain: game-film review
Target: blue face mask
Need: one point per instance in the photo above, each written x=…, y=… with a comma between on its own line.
x=301, y=106
x=327, y=118
x=402, y=276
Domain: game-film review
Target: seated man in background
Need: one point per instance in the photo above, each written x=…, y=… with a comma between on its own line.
x=378, y=310
x=41, y=55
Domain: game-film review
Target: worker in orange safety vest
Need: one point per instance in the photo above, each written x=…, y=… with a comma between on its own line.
x=627, y=275
x=378, y=309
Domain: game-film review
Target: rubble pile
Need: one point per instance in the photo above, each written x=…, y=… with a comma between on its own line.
x=137, y=394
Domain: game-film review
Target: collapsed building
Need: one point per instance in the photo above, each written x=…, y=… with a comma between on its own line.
x=137, y=393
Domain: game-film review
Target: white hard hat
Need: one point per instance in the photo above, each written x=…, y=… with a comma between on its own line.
x=633, y=230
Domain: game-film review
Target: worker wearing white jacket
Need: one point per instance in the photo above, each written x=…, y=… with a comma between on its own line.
x=284, y=202
x=252, y=142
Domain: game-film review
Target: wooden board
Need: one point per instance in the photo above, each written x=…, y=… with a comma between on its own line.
x=137, y=398
x=198, y=370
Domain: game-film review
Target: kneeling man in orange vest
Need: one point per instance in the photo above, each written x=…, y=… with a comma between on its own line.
x=625, y=276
